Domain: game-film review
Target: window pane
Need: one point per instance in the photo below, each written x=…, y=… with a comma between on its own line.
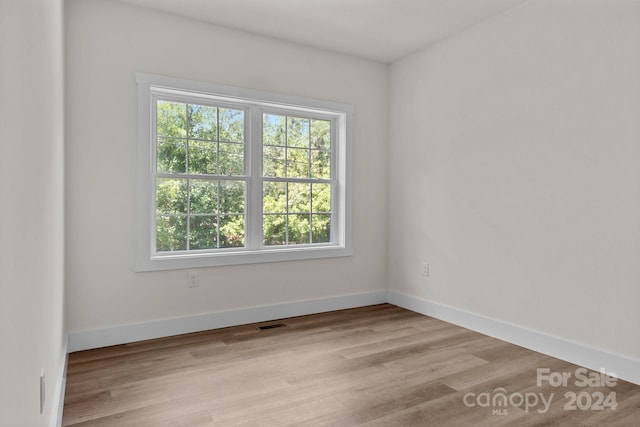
x=231, y=125
x=321, y=134
x=171, y=196
x=171, y=155
x=321, y=228
x=203, y=197
x=297, y=163
x=171, y=119
x=203, y=122
x=274, y=197
x=299, y=228
x=232, y=197
x=297, y=132
x=273, y=161
x=231, y=231
x=320, y=164
x=273, y=129
x=202, y=157
x=203, y=233
x=321, y=200
x=171, y=233
x=299, y=198
x=275, y=230
x=231, y=159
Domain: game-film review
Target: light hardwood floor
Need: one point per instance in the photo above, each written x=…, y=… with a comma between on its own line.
x=374, y=366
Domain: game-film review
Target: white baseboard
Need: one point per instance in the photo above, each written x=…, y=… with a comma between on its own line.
x=624, y=368
x=84, y=340
x=58, y=395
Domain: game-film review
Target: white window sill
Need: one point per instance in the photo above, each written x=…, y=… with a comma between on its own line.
x=219, y=259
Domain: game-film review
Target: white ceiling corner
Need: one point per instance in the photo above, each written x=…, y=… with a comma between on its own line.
x=380, y=30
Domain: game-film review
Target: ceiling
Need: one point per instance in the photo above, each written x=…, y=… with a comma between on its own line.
x=381, y=30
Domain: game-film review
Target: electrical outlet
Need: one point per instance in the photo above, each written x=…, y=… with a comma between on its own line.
x=42, y=391
x=193, y=279
x=425, y=269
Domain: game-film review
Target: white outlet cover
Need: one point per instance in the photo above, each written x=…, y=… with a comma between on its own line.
x=193, y=279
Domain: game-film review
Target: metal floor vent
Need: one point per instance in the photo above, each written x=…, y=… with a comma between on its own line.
x=279, y=325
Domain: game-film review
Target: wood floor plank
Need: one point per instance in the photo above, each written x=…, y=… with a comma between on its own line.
x=371, y=366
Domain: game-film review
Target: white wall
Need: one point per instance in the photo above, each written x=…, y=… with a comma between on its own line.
x=515, y=171
x=31, y=210
x=107, y=42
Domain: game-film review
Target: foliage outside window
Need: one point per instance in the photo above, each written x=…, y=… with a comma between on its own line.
x=234, y=179
x=297, y=180
x=200, y=187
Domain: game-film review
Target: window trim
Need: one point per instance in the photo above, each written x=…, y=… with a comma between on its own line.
x=150, y=84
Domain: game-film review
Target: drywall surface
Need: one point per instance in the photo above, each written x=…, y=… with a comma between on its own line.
x=107, y=43
x=514, y=171
x=31, y=210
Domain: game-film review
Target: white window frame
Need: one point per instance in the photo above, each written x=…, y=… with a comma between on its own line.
x=254, y=102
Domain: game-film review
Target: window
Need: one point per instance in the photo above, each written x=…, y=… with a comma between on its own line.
x=231, y=176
